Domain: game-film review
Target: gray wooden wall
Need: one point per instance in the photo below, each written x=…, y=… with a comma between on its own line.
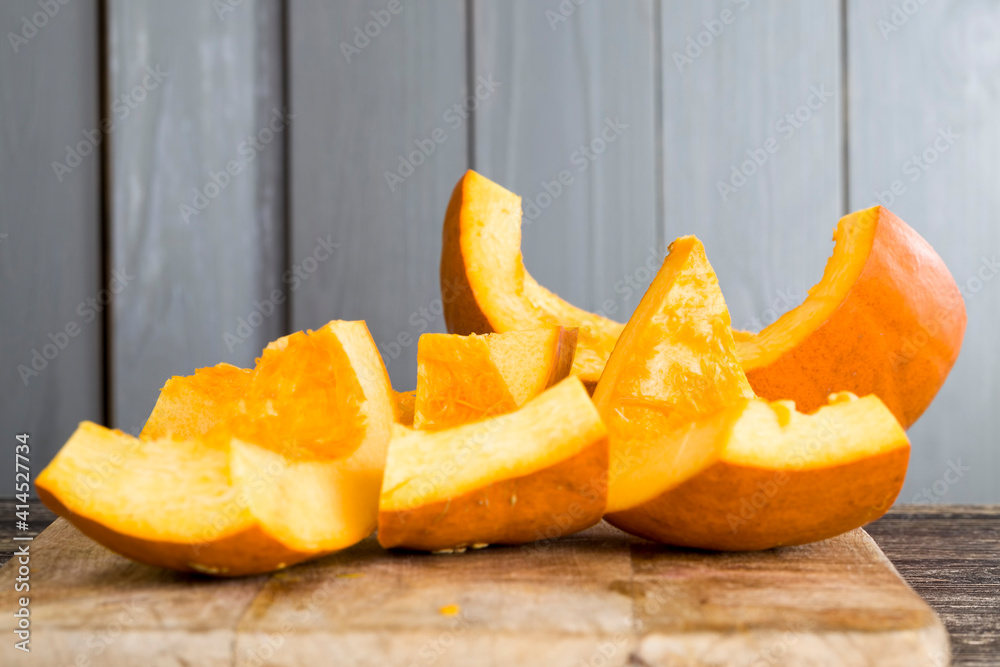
x=310, y=117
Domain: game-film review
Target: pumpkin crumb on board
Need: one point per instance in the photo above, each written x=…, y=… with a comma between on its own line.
x=450, y=610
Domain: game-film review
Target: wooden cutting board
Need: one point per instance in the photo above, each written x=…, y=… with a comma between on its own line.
x=598, y=599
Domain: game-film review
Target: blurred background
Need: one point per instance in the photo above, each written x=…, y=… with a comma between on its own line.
x=182, y=182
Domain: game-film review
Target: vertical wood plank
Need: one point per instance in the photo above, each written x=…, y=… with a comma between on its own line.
x=733, y=71
x=196, y=196
x=577, y=98
x=364, y=103
x=924, y=90
x=50, y=229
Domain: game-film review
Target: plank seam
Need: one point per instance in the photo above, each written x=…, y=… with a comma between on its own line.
x=470, y=80
x=284, y=47
x=104, y=196
x=659, y=202
x=845, y=118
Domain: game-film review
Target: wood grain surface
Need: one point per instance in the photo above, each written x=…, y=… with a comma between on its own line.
x=951, y=555
x=600, y=597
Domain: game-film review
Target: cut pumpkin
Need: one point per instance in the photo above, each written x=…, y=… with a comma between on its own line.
x=461, y=379
x=536, y=473
x=674, y=363
x=189, y=406
x=887, y=319
x=292, y=474
x=697, y=461
x=760, y=475
x=486, y=287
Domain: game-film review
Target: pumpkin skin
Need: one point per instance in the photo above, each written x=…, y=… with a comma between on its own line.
x=288, y=472
x=486, y=289
x=511, y=479
x=896, y=332
x=893, y=327
x=691, y=445
x=771, y=477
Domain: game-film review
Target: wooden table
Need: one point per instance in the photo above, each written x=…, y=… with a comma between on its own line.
x=949, y=554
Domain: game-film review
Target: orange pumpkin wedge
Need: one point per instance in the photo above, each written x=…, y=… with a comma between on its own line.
x=292, y=474
x=674, y=363
x=486, y=288
x=887, y=319
x=537, y=473
x=692, y=449
x=461, y=379
x=760, y=475
x=189, y=406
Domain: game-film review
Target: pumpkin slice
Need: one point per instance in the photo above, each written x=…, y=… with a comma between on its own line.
x=486, y=288
x=674, y=363
x=760, y=475
x=294, y=473
x=536, y=473
x=461, y=379
x=190, y=406
x=887, y=319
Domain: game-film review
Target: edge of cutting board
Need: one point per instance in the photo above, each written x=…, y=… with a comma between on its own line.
x=598, y=598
